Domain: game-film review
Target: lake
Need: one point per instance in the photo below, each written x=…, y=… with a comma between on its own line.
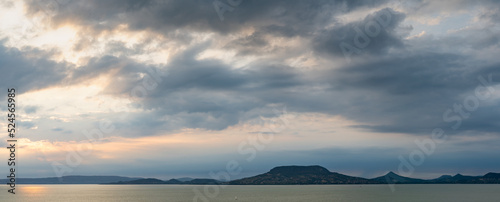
x=271, y=193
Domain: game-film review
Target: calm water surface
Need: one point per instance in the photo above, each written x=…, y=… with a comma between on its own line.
x=72, y=193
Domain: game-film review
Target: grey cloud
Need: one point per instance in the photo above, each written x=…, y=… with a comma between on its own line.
x=429, y=7
x=405, y=91
x=253, y=44
x=204, y=93
x=30, y=109
x=27, y=124
x=57, y=129
x=406, y=74
x=375, y=34
x=410, y=94
x=95, y=67
x=200, y=15
x=29, y=69
x=491, y=15
x=282, y=18
x=479, y=39
x=67, y=132
x=280, y=30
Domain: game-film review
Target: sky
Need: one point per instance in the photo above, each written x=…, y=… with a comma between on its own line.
x=196, y=88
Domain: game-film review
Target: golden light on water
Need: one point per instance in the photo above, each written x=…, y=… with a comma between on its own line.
x=31, y=189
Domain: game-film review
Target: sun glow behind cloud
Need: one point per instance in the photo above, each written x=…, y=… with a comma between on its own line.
x=76, y=99
x=72, y=42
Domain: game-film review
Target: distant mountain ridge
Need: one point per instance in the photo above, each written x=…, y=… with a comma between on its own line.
x=72, y=179
x=393, y=178
x=78, y=179
x=290, y=175
x=281, y=175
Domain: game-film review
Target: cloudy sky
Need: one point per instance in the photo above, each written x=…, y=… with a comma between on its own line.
x=180, y=88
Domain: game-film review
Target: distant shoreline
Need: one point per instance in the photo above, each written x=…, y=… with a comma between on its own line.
x=282, y=175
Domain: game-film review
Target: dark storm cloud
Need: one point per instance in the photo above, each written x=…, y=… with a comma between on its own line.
x=280, y=18
x=407, y=74
x=205, y=93
x=213, y=75
x=373, y=35
x=199, y=15
x=411, y=92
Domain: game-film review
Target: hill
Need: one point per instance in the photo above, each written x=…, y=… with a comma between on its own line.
x=490, y=178
x=393, y=178
x=289, y=175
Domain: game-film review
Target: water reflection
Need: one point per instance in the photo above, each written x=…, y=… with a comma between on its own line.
x=30, y=189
